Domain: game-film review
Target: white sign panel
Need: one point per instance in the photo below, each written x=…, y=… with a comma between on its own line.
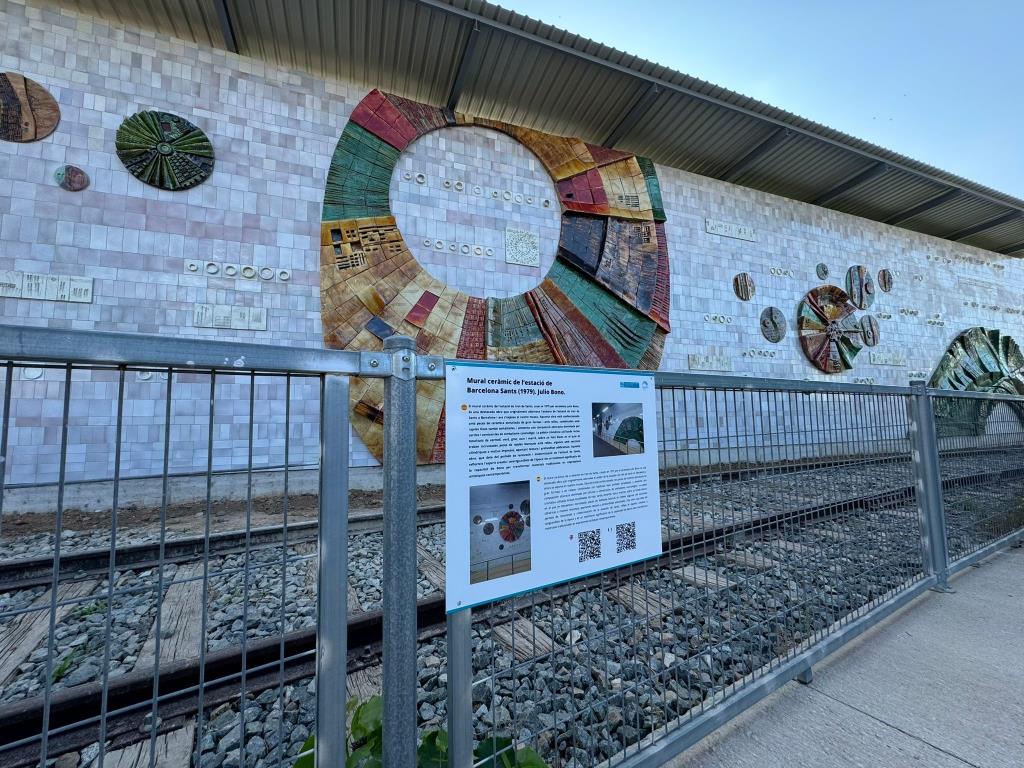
x=728, y=229
x=552, y=474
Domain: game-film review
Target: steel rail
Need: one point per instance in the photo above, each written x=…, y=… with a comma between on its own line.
x=23, y=573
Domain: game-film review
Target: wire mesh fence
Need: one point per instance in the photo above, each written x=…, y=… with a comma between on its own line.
x=148, y=628
x=982, y=462
x=785, y=516
x=149, y=631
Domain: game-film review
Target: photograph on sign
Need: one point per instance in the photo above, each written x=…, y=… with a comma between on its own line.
x=501, y=509
x=618, y=428
x=551, y=475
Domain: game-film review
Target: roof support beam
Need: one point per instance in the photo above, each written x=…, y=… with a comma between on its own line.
x=863, y=177
x=974, y=229
x=1012, y=248
x=462, y=71
x=445, y=6
x=927, y=205
x=633, y=115
x=227, y=29
x=759, y=150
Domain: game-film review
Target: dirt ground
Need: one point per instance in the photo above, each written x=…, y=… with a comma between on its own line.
x=190, y=516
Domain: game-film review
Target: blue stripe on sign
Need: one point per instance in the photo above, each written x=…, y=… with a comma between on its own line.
x=630, y=384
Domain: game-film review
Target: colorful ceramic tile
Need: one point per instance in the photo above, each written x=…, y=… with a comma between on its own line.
x=421, y=309
x=379, y=328
x=582, y=240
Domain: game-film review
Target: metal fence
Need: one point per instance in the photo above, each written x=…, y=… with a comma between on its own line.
x=794, y=516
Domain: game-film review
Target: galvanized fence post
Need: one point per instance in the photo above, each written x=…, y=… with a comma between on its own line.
x=928, y=482
x=332, y=587
x=460, y=689
x=399, y=653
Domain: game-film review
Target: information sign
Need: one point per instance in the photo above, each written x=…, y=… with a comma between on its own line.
x=552, y=474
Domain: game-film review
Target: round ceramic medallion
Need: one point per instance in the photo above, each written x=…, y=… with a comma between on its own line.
x=860, y=287
x=164, y=150
x=773, y=324
x=829, y=334
x=885, y=280
x=71, y=177
x=27, y=110
x=743, y=286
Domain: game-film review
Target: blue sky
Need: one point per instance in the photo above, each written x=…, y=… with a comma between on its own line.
x=939, y=81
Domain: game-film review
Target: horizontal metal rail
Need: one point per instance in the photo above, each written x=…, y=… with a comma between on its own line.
x=976, y=395
x=91, y=348
x=753, y=384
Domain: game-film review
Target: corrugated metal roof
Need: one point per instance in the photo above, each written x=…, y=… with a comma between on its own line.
x=537, y=75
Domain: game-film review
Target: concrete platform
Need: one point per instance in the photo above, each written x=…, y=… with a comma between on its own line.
x=938, y=685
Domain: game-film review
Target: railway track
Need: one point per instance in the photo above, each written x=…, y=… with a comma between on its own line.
x=268, y=662
x=28, y=572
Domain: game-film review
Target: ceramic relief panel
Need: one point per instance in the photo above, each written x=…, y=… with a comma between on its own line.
x=604, y=302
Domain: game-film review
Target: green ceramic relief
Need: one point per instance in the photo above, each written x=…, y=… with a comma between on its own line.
x=359, y=178
x=628, y=331
x=978, y=360
x=653, y=187
x=164, y=150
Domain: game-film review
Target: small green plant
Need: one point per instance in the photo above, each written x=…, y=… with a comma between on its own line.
x=88, y=609
x=64, y=667
x=365, y=745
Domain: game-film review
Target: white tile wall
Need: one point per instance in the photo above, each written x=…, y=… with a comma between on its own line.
x=454, y=192
x=274, y=131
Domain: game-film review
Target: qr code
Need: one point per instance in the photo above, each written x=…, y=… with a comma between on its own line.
x=625, y=537
x=590, y=545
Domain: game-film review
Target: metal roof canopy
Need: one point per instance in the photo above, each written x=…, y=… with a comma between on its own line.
x=482, y=59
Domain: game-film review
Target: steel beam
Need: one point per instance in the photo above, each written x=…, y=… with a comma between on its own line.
x=862, y=177
x=1019, y=246
x=759, y=150
x=927, y=205
x=445, y=6
x=974, y=229
x=462, y=71
x=227, y=29
x=633, y=115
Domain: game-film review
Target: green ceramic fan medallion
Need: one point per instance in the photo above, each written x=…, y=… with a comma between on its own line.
x=164, y=150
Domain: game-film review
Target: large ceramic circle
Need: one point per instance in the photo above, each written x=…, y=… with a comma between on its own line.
x=860, y=287
x=829, y=334
x=603, y=302
x=511, y=526
x=27, y=110
x=164, y=150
